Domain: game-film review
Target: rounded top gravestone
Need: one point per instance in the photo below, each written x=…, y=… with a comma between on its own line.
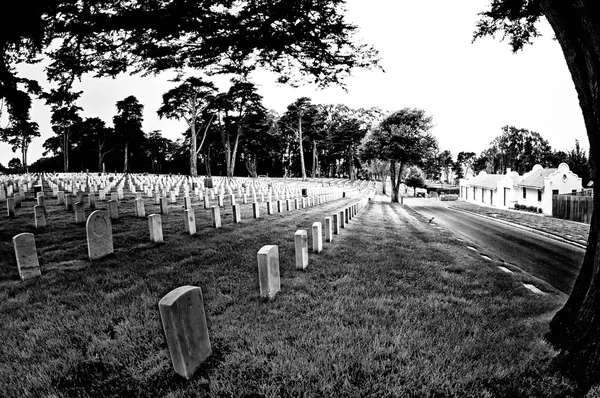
x=99, y=234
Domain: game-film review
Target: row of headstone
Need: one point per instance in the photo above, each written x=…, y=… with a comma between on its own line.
x=182, y=310
x=99, y=242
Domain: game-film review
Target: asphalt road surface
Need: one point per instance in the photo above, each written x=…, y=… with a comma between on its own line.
x=552, y=260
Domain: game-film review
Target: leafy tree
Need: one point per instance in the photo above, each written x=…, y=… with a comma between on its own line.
x=128, y=127
x=188, y=101
x=15, y=165
x=432, y=167
x=403, y=139
x=347, y=127
x=447, y=163
x=464, y=163
x=578, y=163
x=19, y=134
x=159, y=150
x=415, y=179
x=575, y=329
x=259, y=143
x=98, y=137
x=243, y=111
x=300, y=118
x=65, y=114
x=111, y=37
x=380, y=170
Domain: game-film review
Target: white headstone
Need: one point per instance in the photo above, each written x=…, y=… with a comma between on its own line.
x=268, y=271
x=155, y=226
x=216, y=217
x=26, y=254
x=186, y=331
x=301, y=246
x=99, y=235
x=190, y=221
x=317, y=237
x=39, y=213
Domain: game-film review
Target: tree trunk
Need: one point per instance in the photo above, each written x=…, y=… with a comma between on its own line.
x=301, y=149
x=575, y=329
x=351, y=163
x=24, y=156
x=207, y=161
x=66, y=149
x=126, y=158
x=314, y=159
x=251, y=166
x=396, y=176
x=100, y=157
x=231, y=167
x=193, y=152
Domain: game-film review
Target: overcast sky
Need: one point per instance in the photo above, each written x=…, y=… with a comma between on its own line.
x=471, y=90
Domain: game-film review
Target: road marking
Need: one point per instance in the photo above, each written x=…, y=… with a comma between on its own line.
x=486, y=257
x=533, y=288
x=471, y=248
x=505, y=269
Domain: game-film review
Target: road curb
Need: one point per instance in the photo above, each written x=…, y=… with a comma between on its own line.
x=535, y=230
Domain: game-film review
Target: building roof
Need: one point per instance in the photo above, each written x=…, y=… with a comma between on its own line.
x=536, y=178
x=485, y=180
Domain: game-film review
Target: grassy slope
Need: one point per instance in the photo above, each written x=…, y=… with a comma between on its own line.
x=392, y=307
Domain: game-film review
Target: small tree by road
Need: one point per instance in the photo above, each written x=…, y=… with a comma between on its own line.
x=415, y=179
x=403, y=139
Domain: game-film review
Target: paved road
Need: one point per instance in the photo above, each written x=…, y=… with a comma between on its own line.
x=553, y=261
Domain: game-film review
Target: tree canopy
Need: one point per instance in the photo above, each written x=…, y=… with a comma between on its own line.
x=106, y=38
x=403, y=139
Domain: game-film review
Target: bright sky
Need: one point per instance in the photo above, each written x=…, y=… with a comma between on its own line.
x=471, y=90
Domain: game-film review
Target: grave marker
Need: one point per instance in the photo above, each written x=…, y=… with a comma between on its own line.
x=99, y=234
x=92, y=201
x=10, y=207
x=190, y=221
x=26, y=254
x=336, y=224
x=255, y=210
x=68, y=201
x=328, y=230
x=268, y=271
x=216, y=217
x=317, y=237
x=186, y=331
x=164, y=207
x=79, y=213
x=301, y=245
x=140, y=210
x=155, y=225
x=113, y=209
x=269, y=208
x=39, y=213
x=237, y=217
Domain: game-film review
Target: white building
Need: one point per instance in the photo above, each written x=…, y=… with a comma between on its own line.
x=535, y=188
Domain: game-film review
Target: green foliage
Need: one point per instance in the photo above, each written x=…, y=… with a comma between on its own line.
x=415, y=178
x=402, y=138
x=108, y=38
x=517, y=149
x=514, y=19
x=15, y=164
x=578, y=163
x=128, y=127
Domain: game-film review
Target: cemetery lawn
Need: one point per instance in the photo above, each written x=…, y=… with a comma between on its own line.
x=392, y=307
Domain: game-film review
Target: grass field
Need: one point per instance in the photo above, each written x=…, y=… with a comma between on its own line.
x=392, y=307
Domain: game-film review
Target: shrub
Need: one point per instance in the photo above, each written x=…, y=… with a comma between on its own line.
x=532, y=208
x=540, y=210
